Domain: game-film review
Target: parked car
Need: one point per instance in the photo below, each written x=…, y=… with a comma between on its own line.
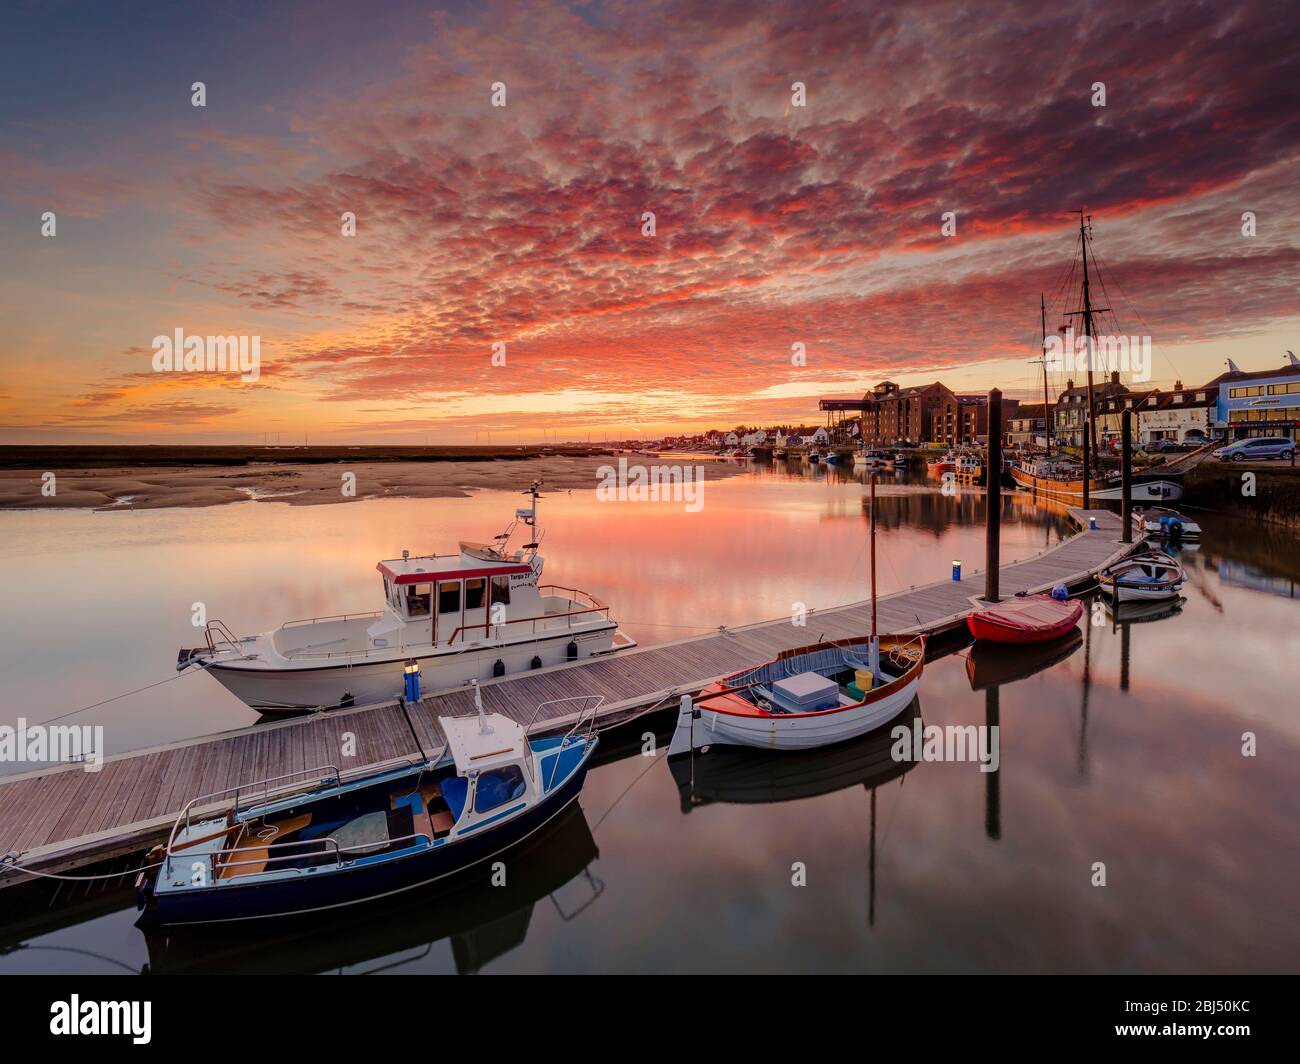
x=1257, y=448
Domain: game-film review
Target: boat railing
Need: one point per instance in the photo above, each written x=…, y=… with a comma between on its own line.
x=220, y=637
x=334, y=617
x=322, y=774
x=333, y=849
x=548, y=620
x=590, y=704
x=583, y=597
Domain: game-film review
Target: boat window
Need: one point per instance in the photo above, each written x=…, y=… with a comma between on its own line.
x=497, y=787
x=417, y=599
x=474, y=590
x=449, y=596
x=501, y=589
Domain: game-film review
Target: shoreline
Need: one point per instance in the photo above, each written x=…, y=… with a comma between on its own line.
x=316, y=483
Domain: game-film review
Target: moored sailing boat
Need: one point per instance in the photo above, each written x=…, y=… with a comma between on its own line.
x=1062, y=478
x=811, y=696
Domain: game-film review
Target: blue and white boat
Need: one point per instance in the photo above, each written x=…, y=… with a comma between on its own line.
x=1151, y=576
x=320, y=844
x=1162, y=522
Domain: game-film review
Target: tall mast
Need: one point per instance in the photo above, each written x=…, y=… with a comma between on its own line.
x=1042, y=361
x=1085, y=223
x=873, y=652
x=1087, y=329
x=1047, y=406
x=873, y=555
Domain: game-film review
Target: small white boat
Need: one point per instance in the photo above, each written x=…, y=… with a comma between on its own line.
x=1147, y=577
x=811, y=696
x=805, y=698
x=452, y=618
x=814, y=455
x=1166, y=523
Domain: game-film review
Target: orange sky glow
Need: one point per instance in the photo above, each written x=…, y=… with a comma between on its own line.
x=522, y=225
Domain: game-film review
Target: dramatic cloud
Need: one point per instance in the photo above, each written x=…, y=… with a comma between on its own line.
x=773, y=223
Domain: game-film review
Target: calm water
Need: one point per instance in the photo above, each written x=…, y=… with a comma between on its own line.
x=1127, y=751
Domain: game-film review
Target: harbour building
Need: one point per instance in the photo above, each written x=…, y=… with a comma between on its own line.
x=1260, y=403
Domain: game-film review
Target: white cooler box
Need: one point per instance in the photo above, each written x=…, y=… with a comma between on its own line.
x=806, y=693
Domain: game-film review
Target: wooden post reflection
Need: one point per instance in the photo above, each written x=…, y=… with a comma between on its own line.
x=992, y=786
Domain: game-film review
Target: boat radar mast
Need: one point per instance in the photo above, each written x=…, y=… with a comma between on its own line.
x=483, y=727
x=526, y=516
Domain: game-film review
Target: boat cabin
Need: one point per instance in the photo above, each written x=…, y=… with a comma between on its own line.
x=458, y=596
x=496, y=774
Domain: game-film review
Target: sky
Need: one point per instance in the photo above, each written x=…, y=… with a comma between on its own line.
x=779, y=217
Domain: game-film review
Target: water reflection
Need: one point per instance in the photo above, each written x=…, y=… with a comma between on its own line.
x=992, y=664
x=1123, y=744
x=737, y=775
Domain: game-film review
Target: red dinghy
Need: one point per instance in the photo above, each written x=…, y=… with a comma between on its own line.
x=1033, y=619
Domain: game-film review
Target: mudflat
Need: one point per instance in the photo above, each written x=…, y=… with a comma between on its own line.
x=313, y=482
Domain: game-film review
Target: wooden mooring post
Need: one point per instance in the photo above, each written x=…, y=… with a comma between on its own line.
x=993, y=483
x=1126, y=475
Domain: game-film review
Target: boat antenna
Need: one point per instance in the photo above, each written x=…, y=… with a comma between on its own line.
x=530, y=516
x=483, y=728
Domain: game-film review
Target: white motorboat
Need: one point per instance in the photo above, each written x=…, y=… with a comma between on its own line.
x=1165, y=523
x=473, y=615
x=1147, y=577
x=811, y=696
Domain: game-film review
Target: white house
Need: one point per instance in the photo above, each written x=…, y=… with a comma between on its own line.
x=821, y=436
x=731, y=439
x=1185, y=415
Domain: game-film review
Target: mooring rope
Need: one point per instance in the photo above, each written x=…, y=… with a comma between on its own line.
x=95, y=705
x=10, y=860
